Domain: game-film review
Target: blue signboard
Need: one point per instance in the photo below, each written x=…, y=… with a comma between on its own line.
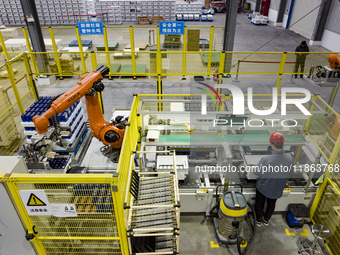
x=90, y=28
x=171, y=27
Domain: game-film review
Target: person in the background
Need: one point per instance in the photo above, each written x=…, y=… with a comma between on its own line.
x=301, y=57
x=270, y=184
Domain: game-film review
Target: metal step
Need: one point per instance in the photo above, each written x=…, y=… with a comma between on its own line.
x=165, y=201
x=146, y=215
x=140, y=221
x=156, y=179
x=158, y=224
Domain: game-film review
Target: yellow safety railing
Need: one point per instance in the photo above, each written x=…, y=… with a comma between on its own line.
x=141, y=51
x=17, y=93
x=98, y=225
x=324, y=130
x=131, y=137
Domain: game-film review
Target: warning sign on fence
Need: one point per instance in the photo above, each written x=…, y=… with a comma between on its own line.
x=36, y=202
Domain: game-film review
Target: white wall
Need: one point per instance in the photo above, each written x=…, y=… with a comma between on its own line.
x=330, y=41
x=272, y=15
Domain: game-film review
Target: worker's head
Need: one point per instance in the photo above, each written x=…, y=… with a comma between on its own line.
x=303, y=44
x=277, y=140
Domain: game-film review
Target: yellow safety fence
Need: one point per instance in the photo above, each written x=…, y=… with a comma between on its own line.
x=17, y=93
x=97, y=224
x=141, y=51
x=131, y=137
x=326, y=205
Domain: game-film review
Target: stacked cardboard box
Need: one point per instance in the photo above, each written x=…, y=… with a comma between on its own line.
x=172, y=41
x=193, y=40
x=66, y=63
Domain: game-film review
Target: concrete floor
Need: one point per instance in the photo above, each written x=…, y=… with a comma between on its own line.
x=195, y=238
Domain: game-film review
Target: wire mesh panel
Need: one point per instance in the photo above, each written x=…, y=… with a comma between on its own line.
x=93, y=227
x=172, y=63
x=328, y=214
x=119, y=34
x=324, y=129
x=16, y=96
x=218, y=41
x=145, y=38
x=59, y=247
x=196, y=63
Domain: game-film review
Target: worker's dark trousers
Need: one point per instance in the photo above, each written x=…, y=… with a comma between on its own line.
x=259, y=207
x=301, y=64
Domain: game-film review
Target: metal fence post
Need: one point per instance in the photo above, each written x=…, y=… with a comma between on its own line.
x=238, y=69
x=100, y=95
x=56, y=55
x=281, y=69
x=81, y=50
x=210, y=49
x=14, y=86
x=4, y=47
x=133, y=56
x=34, y=64
x=30, y=78
x=106, y=43
x=184, y=56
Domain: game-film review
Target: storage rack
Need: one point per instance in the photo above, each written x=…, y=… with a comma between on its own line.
x=68, y=12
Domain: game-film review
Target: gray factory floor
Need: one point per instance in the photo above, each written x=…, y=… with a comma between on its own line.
x=200, y=239
x=195, y=238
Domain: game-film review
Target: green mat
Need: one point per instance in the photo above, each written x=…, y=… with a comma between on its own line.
x=111, y=45
x=128, y=68
x=215, y=58
x=114, y=68
x=227, y=138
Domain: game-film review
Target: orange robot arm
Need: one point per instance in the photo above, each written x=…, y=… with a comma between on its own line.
x=334, y=61
x=105, y=132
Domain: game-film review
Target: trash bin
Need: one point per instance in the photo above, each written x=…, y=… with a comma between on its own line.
x=297, y=215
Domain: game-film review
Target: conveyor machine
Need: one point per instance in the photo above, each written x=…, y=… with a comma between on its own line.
x=219, y=144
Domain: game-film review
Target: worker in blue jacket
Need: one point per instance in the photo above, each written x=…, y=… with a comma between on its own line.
x=301, y=58
x=273, y=171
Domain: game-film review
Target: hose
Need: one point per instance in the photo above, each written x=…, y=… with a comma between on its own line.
x=253, y=230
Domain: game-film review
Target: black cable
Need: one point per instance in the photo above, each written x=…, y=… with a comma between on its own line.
x=253, y=232
x=284, y=31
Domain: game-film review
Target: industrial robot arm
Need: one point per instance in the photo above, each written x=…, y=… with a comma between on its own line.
x=87, y=86
x=334, y=61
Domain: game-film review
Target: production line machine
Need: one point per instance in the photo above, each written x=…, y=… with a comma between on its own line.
x=186, y=158
x=211, y=149
x=326, y=76
x=211, y=154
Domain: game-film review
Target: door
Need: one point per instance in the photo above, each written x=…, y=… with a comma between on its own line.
x=304, y=17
